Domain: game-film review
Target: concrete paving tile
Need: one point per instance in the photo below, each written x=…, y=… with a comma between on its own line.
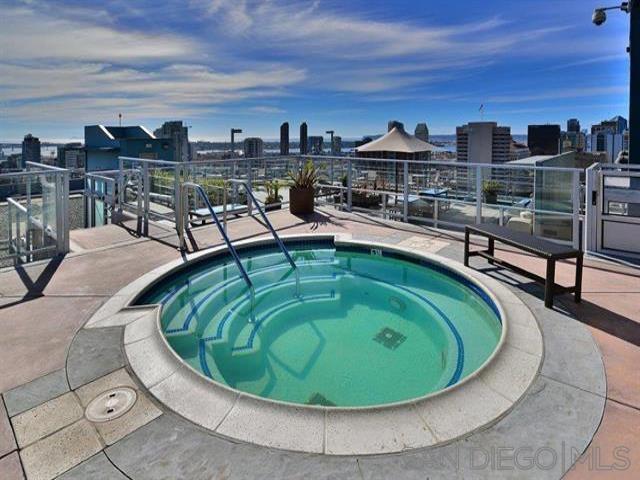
x=614, y=452
x=511, y=372
x=277, y=426
x=119, y=378
x=97, y=467
x=32, y=394
x=151, y=360
x=206, y=405
x=140, y=414
x=424, y=244
x=376, y=432
x=7, y=440
x=10, y=467
x=619, y=356
x=117, y=319
x=94, y=353
x=545, y=448
x=581, y=365
x=452, y=414
x=45, y=419
x=141, y=328
x=440, y=463
x=61, y=451
x=170, y=447
x=36, y=335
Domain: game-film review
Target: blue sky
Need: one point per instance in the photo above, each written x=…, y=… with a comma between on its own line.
x=348, y=66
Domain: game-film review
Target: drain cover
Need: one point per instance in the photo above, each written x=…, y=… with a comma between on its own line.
x=111, y=404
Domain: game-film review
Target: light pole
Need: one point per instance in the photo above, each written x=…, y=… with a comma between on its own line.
x=331, y=132
x=631, y=7
x=233, y=140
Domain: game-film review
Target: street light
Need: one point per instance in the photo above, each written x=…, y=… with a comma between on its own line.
x=632, y=7
x=233, y=140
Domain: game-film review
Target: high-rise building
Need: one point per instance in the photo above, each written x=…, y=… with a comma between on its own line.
x=621, y=123
x=71, y=155
x=315, y=144
x=304, y=145
x=253, y=147
x=544, y=139
x=422, y=132
x=573, y=141
x=336, y=146
x=393, y=124
x=30, y=150
x=483, y=142
x=615, y=125
x=606, y=142
x=284, y=138
x=573, y=125
x=179, y=134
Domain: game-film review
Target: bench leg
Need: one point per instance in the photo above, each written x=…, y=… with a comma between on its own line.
x=491, y=249
x=577, y=296
x=549, y=283
x=466, y=248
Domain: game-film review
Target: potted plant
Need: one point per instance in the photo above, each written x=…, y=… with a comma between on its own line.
x=274, y=199
x=490, y=190
x=302, y=191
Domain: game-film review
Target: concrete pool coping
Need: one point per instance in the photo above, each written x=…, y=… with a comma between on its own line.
x=430, y=421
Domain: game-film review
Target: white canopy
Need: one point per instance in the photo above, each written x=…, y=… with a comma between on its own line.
x=397, y=141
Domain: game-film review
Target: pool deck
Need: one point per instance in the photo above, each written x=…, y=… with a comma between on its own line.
x=43, y=307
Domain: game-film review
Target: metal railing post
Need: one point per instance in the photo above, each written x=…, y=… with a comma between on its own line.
x=575, y=196
x=177, y=204
x=349, y=186
x=121, y=185
x=249, y=185
x=146, y=187
x=405, y=189
x=591, y=192
x=478, y=195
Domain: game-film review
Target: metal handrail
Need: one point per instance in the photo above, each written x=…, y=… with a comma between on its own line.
x=234, y=253
x=266, y=220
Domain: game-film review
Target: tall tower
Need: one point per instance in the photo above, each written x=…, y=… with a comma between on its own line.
x=284, y=138
x=422, y=132
x=304, y=144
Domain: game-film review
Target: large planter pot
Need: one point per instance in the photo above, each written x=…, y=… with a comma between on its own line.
x=491, y=198
x=301, y=200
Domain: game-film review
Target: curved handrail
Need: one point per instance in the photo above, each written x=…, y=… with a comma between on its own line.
x=267, y=222
x=234, y=253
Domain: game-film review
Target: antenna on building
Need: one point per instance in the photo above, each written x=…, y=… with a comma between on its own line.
x=119, y=119
x=481, y=109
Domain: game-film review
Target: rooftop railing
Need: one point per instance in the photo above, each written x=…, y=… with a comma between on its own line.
x=546, y=201
x=34, y=217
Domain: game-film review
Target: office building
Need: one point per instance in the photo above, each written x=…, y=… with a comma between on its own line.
x=573, y=125
x=253, y=147
x=422, y=132
x=573, y=141
x=518, y=151
x=179, y=135
x=315, y=144
x=284, y=138
x=304, y=145
x=30, y=150
x=336, y=145
x=105, y=144
x=621, y=124
x=71, y=155
x=606, y=142
x=544, y=139
x=483, y=142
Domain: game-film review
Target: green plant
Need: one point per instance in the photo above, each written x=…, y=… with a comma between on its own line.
x=490, y=187
x=273, y=192
x=306, y=177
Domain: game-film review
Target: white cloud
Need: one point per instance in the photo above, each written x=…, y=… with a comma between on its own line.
x=573, y=92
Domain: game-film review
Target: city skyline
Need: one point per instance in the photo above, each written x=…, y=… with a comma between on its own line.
x=340, y=68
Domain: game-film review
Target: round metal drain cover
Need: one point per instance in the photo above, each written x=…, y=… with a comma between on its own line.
x=111, y=404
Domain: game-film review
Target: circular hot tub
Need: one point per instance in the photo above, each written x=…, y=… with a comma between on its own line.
x=355, y=326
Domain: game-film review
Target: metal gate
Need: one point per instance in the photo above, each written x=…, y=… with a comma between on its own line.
x=613, y=209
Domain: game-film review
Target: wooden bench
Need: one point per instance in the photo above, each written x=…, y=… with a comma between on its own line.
x=546, y=249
